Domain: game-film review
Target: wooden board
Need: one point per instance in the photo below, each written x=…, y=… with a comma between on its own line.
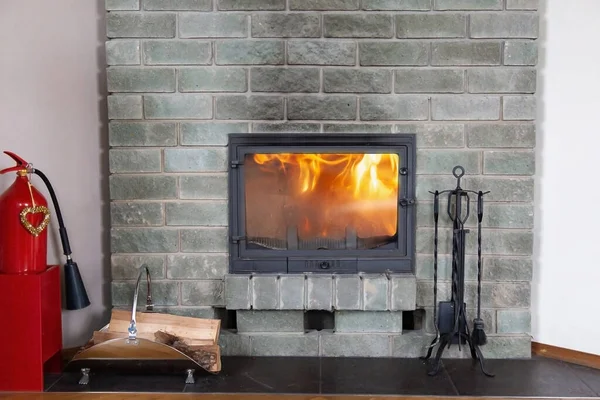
x=198, y=330
x=567, y=355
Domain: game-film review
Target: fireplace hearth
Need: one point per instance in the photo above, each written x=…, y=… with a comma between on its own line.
x=318, y=203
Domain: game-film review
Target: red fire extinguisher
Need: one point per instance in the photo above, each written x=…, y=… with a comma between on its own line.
x=24, y=218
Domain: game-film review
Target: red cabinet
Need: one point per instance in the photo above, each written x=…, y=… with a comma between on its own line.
x=30, y=329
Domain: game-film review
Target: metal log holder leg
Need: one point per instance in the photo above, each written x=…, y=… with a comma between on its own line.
x=455, y=329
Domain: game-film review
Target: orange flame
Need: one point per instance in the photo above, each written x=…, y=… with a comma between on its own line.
x=360, y=189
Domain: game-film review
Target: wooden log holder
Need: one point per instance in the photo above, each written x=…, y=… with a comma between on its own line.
x=151, y=342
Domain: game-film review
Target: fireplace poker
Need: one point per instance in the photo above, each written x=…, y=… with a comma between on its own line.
x=436, y=214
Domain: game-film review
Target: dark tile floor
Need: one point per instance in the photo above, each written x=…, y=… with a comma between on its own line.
x=537, y=377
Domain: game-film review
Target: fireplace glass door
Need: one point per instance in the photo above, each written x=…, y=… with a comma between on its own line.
x=321, y=204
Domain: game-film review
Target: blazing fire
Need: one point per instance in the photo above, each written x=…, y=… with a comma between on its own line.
x=332, y=192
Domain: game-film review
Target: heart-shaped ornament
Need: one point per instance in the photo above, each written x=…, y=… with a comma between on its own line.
x=35, y=230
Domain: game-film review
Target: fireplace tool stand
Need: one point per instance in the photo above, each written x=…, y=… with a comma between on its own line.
x=450, y=319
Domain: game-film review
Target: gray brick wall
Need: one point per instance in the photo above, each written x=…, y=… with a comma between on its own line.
x=182, y=74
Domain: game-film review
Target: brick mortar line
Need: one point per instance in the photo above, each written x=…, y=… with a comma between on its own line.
x=361, y=11
x=275, y=122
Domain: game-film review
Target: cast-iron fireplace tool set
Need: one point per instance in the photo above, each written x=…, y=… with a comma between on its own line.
x=450, y=318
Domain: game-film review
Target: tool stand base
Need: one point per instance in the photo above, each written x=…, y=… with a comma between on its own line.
x=445, y=341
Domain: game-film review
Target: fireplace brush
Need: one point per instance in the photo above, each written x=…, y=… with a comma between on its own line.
x=450, y=316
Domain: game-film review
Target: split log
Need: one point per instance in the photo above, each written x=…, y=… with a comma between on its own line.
x=195, y=331
x=208, y=357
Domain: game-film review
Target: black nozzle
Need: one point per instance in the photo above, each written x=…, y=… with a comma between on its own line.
x=76, y=294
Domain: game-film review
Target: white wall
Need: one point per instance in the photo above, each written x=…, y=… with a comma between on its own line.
x=52, y=113
x=567, y=270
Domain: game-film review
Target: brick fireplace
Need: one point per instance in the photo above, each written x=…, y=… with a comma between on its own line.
x=185, y=74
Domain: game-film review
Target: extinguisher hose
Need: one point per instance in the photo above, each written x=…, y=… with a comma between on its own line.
x=64, y=238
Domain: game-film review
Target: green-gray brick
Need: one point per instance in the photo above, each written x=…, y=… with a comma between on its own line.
x=205, y=186
x=368, y=321
x=205, y=25
x=122, y=52
x=519, y=108
x=144, y=240
x=393, y=108
x=504, y=25
x=261, y=5
x=321, y=52
x=195, y=160
x=355, y=345
x=507, y=269
x=296, y=80
x=395, y=5
x=321, y=107
x=509, y=216
x=520, y=53
x=163, y=293
x=125, y=160
x=393, y=53
x=286, y=25
x=201, y=266
x=182, y=106
x=209, y=133
x=254, y=52
x=141, y=214
x=124, y=107
x=237, y=292
x=357, y=128
x=161, y=52
x=501, y=135
x=466, y=53
x=357, y=81
x=513, y=321
x=357, y=26
x=143, y=187
x=442, y=161
x=324, y=5
x=127, y=267
x=287, y=127
x=202, y=293
x=142, y=133
x=435, y=135
x=288, y=345
x=178, y=5
x=137, y=79
x=509, y=163
x=204, y=213
x=206, y=240
x=213, y=79
x=444, y=5
x=429, y=81
x=431, y=26
x=140, y=25
x=129, y=5
x=465, y=108
x=493, y=80
x=249, y=107
x=522, y=4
